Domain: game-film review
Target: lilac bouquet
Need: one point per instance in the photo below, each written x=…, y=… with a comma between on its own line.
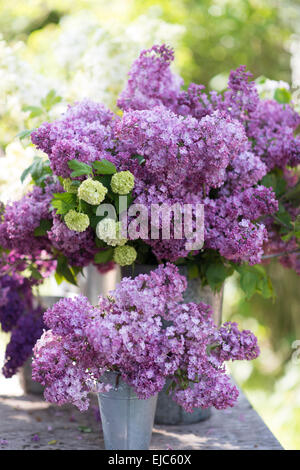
x=143, y=332
x=233, y=154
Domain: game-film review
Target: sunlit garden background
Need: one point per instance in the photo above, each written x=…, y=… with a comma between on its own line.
x=85, y=48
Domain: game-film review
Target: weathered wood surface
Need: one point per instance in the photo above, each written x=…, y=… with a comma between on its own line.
x=28, y=422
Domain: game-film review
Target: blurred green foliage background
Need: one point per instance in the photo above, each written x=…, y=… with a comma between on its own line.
x=218, y=36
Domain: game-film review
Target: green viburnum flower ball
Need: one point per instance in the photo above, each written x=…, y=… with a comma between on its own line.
x=92, y=192
x=67, y=184
x=76, y=221
x=124, y=255
x=122, y=182
x=110, y=232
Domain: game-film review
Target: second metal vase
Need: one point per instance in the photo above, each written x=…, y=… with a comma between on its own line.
x=127, y=421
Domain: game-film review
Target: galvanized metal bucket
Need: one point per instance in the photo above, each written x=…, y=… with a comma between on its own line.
x=127, y=421
x=167, y=411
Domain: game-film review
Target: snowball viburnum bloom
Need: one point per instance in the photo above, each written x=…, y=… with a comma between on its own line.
x=92, y=192
x=125, y=255
x=122, y=182
x=69, y=187
x=110, y=232
x=76, y=221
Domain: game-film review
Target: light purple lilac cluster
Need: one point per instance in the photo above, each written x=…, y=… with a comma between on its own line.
x=22, y=217
x=272, y=144
x=78, y=247
x=151, y=82
x=85, y=133
x=126, y=333
x=198, y=147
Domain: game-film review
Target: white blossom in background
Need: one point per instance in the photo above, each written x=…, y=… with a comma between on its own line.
x=86, y=60
x=267, y=88
x=97, y=58
x=15, y=160
x=295, y=67
x=20, y=86
x=295, y=60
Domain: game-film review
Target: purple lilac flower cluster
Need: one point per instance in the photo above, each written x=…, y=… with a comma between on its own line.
x=272, y=143
x=151, y=82
x=84, y=133
x=22, y=217
x=78, y=247
x=125, y=333
x=193, y=147
x=15, y=298
x=24, y=335
x=17, y=313
x=197, y=148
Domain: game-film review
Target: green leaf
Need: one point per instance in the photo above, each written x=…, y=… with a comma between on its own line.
x=69, y=198
x=79, y=168
x=64, y=270
x=140, y=158
x=35, y=273
x=59, y=279
x=50, y=100
x=216, y=274
x=254, y=279
x=265, y=288
x=261, y=80
x=64, y=202
x=283, y=217
x=297, y=224
x=248, y=282
x=61, y=208
x=282, y=96
x=193, y=271
x=34, y=111
x=293, y=194
x=25, y=133
x=276, y=182
x=26, y=173
x=105, y=180
x=84, y=429
x=104, y=167
x=43, y=228
x=104, y=256
x=287, y=237
x=39, y=171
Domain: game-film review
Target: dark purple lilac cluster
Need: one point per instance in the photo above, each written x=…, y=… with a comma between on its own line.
x=27, y=330
x=17, y=313
x=15, y=298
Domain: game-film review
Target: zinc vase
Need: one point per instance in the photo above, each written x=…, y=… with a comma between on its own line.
x=167, y=411
x=127, y=421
